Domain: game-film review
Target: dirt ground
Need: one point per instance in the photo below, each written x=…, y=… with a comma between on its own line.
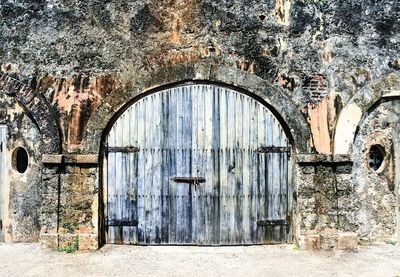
x=112, y=260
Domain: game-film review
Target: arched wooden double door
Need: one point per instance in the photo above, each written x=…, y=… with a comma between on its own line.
x=197, y=164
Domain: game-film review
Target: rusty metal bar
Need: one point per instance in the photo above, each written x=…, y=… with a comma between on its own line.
x=271, y=222
x=274, y=149
x=189, y=179
x=122, y=223
x=126, y=149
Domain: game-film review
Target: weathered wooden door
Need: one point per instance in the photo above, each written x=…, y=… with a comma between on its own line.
x=197, y=164
x=2, y=177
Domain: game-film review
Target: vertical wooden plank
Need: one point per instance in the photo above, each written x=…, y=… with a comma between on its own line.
x=276, y=185
x=254, y=160
x=125, y=183
x=165, y=168
x=223, y=160
x=133, y=174
x=140, y=107
x=246, y=191
x=172, y=164
x=262, y=181
x=149, y=229
x=111, y=207
x=156, y=168
x=187, y=144
x=208, y=98
x=270, y=172
x=196, y=235
x=215, y=152
x=238, y=185
x=180, y=187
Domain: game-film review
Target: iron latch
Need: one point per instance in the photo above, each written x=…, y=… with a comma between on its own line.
x=271, y=222
x=190, y=180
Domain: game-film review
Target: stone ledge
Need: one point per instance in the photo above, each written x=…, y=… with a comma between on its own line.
x=321, y=158
x=70, y=159
x=54, y=241
x=52, y=159
x=347, y=241
x=328, y=240
x=48, y=240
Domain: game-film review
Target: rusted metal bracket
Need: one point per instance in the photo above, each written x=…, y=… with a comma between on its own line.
x=195, y=180
x=271, y=222
x=122, y=223
x=274, y=149
x=126, y=149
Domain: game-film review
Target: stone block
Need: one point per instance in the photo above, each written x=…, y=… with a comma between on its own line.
x=344, y=182
x=88, y=242
x=312, y=242
x=52, y=159
x=309, y=169
x=344, y=168
x=48, y=240
x=347, y=241
x=66, y=239
x=329, y=240
x=87, y=159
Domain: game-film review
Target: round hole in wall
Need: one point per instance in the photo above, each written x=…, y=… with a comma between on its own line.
x=20, y=159
x=376, y=157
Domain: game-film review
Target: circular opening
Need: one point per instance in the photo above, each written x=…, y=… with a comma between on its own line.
x=20, y=159
x=376, y=157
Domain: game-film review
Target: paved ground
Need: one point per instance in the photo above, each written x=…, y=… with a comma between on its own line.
x=31, y=260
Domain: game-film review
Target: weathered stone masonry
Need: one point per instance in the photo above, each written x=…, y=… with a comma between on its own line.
x=329, y=70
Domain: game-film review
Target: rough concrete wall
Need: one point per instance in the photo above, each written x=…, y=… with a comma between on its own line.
x=375, y=192
x=23, y=204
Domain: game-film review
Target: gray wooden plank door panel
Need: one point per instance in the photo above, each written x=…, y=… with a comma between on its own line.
x=184, y=166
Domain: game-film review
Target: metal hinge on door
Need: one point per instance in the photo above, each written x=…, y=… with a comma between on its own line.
x=190, y=180
x=271, y=222
x=1, y=224
x=1, y=147
x=117, y=222
x=274, y=149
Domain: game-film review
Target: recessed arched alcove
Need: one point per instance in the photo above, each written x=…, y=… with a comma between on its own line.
x=197, y=163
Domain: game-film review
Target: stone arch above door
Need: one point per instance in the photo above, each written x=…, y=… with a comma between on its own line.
x=282, y=105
